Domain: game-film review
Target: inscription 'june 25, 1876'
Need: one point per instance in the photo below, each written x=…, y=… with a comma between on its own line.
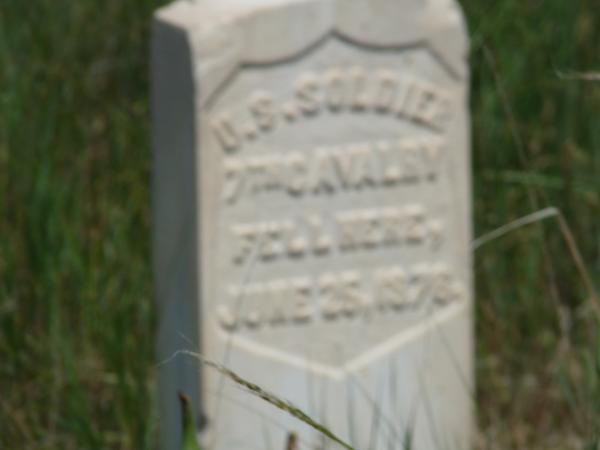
x=334, y=195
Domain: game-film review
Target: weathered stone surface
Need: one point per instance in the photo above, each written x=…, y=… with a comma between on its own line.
x=312, y=218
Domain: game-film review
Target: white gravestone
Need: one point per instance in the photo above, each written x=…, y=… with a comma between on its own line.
x=312, y=219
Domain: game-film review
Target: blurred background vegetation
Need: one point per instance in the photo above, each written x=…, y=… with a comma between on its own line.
x=76, y=305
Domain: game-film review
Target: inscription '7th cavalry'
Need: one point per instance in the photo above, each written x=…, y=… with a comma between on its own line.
x=329, y=170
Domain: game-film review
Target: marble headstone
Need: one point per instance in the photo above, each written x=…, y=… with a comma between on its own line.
x=312, y=220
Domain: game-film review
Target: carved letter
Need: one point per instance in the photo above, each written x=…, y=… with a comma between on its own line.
x=245, y=238
x=233, y=179
x=415, y=225
x=226, y=318
x=336, y=92
x=321, y=242
x=391, y=288
x=330, y=307
x=261, y=106
x=349, y=230
x=307, y=94
x=430, y=106
x=324, y=176
x=365, y=170
x=386, y=91
x=226, y=132
x=432, y=156
x=297, y=178
x=351, y=297
x=302, y=309
x=360, y=97
x=404, y=104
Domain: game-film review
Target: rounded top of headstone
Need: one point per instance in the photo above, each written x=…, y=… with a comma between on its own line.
x=264, y=31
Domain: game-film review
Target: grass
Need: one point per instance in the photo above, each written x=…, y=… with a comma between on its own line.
x=76, y=311
x=76, y=307
x=532, y=128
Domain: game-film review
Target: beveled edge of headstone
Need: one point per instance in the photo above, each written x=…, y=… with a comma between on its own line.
x=227, y=34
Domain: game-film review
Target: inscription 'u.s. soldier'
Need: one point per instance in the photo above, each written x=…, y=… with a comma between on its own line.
x=337, y=90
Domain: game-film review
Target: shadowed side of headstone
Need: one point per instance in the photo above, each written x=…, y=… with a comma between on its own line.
x=175, y=225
